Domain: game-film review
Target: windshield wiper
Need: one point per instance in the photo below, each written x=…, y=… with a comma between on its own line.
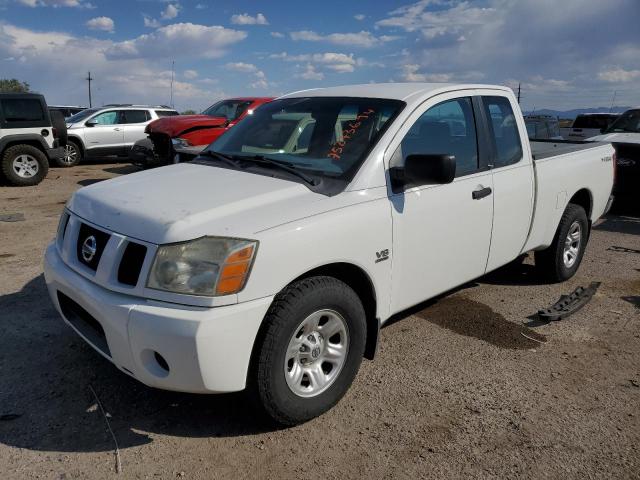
x=219, y=156
x=286, y=166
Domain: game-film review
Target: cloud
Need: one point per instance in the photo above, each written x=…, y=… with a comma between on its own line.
x=47, y=58
x=556, y=54
x=171, y=11
x=246, y=19
x=310, y=73
x=337, y=62
x=241, y=67
x=151, y=22
x=178, y=39
x=190, y=74
x=362, y=39
x=360, y=16
x=619, y=75
x=277, y=35
x=101, y=23
x=57, y=3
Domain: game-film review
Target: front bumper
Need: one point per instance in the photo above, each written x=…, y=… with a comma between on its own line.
x=207, y=350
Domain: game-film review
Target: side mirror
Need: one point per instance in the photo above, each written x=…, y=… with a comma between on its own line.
x=432, y=169
x=90, y=123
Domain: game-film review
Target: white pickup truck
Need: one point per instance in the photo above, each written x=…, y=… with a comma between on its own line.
x=271, y=261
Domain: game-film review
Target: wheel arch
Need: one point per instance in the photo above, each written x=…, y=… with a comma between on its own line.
x=13, y=140
x=584, y=199
x=78, y=141
x=360, y=282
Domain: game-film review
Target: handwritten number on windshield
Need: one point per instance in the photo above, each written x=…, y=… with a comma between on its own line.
x=347, y=134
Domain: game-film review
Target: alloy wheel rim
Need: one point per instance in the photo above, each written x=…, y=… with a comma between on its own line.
x=25, y=166
x=70, y=154
x=316, y=353
x=572, y=244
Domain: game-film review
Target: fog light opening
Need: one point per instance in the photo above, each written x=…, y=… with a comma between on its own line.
x=161, y=361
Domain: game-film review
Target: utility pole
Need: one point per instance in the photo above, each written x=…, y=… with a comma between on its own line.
x=613, y=100
x=518, y=93
x=173, y=63
x=88, y=79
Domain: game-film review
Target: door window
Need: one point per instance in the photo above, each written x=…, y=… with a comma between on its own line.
x=106, y=118
x=446, y=128
x=135, y=116
x=504, y=131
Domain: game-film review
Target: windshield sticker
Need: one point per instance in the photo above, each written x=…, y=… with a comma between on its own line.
x=336, y=150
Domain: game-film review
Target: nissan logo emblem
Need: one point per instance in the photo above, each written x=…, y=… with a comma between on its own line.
x=89, y=247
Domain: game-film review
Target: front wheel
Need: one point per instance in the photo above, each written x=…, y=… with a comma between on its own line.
x=560, y=261
x=310, y=350
x=72, y=155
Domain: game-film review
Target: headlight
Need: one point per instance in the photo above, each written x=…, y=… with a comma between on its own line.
x=208, y=266
x=180, y=142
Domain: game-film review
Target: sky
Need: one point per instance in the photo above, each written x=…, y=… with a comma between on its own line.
x=564, y=54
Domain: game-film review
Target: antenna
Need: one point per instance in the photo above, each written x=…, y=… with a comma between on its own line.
x=173, y=63
x=518, y=93
x=88, y=79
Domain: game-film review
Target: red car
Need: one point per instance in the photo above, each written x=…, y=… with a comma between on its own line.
x=190, y=132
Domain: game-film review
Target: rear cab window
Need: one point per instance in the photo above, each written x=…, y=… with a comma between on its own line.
x=503, y=129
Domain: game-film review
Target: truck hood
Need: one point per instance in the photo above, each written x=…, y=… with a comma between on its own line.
x=621, y=137
x=178, y=124
x=186, y=201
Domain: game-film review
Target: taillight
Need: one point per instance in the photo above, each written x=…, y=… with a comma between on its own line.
x=55, y=132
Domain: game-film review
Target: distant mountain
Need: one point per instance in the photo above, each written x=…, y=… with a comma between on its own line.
x=574, y=113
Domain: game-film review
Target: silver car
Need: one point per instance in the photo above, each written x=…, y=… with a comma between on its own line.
x=110, y=130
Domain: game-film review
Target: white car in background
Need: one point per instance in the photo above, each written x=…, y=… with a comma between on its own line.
x=109, y=130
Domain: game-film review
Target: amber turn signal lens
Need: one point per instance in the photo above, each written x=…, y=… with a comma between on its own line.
x=234, y=271
x=229, y=285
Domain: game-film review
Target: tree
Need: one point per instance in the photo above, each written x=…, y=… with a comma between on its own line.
x=189, y=112
x=13, y=86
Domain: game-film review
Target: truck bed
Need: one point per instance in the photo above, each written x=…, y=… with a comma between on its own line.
x=541, y=149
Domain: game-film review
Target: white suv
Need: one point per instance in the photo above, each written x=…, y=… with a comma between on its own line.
x=109, y=130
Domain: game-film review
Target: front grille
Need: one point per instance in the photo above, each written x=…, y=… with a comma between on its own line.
x=84, y=322
x=90, y=245
x=131, y=263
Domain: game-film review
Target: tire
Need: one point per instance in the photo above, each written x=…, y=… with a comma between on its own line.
x=287, y=395
x=72, y=155
x=560, y=261
x=58, y=122
x=24, y=165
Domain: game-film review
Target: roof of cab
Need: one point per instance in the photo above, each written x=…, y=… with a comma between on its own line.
x=397, y=91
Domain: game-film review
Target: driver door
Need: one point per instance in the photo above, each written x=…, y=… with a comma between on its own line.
x=441, y=233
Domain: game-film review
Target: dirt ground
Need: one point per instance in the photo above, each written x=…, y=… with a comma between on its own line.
x=456, y=390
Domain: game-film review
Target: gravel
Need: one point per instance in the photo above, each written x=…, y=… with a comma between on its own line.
x=468, y=385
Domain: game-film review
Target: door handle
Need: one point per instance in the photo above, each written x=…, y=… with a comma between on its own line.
x=117, y=129
x=481, y=193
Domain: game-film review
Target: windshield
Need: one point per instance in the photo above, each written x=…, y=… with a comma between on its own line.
x=324, y=136
x=629, y=121
x=229, y=109
x=78, y=117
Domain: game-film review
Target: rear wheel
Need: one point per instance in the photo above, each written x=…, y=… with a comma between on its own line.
x=560, y=261
x=24, y=165
x=72, y=155
x=310, y=350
